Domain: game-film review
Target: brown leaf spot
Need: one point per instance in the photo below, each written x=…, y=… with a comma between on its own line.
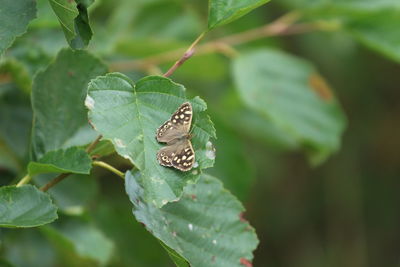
x=241, y=217
x=246, y=262
x=194, y=197
x=319, y=85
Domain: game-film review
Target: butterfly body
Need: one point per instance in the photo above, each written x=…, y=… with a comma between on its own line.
x=174, y=132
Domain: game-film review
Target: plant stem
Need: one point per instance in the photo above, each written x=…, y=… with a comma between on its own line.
x=108, y=167
x=26, y=179
x=93, y=144
x=54, y=181
x=62, y=176
x=188, y=54
x=281, y=26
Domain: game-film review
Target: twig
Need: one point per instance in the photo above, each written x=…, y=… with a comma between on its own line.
x=279, y=27
x=62, y=176
x=108, y=167
x=54, y=181
x=188, y=54
x=93, y=144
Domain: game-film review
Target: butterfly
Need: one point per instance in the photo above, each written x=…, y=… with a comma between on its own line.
x=179, y=152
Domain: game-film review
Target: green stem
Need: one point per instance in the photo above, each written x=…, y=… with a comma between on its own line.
x=26, y=179
x=108, y=167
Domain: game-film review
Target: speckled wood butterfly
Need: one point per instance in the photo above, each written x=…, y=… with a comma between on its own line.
x=179, y=152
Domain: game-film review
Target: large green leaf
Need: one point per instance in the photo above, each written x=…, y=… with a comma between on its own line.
x=378, y=31
x=128, y=115
x=373, y=23
x=205, y=226
x=287, y=91
x=82, y=238
x=74, y=160
x=225, y=11
x=25, y=206
x=15, y=125
x=15, y=16
x=354, y=5
x=58, y=92
x=74, y=20
x=27, y=247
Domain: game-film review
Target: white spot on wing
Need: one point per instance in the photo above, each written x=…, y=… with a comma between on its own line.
x=89, y=102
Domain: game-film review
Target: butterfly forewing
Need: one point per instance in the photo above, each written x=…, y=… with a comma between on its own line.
x=179, y=152
x=177, y=126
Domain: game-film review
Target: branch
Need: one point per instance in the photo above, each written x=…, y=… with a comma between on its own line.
x=54, y=181
x=62, y=176
x=282, y=26
x=93, y=144
x=188, y=54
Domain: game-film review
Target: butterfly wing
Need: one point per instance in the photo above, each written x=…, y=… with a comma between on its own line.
x=177, y=126
x=179, y=155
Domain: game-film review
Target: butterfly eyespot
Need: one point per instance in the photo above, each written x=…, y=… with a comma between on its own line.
x=165, y=126
x=165, y=158
x=160, y=134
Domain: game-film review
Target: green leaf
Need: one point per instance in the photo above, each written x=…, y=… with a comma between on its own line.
x=25, y=206
x=74, y=20
x=378, y=31
x=225, y=11
x=175, y=257
x=205, y=226
x=58, y=92
x=288, y=92
x=128, y=115
x=15, y=16
x=27, y=246
x=81, y=237
x=373, y=23
x=15, y=125
x=74, y=160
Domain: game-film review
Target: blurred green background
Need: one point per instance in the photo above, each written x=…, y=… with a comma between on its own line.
x=342, y=212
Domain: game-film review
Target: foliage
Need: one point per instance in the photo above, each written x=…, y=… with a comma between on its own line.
x=70, y=116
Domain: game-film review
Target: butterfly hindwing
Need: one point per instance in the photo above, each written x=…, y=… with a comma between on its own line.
x=179, y=155
x=165, y=155
x=184, y=158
